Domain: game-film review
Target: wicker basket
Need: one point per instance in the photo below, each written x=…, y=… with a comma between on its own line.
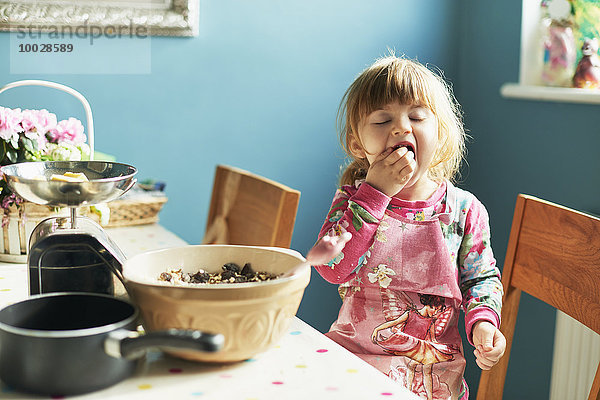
x=134, y=211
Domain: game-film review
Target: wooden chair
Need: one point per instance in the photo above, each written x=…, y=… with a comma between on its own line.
x=554, y=255
x=247, y=209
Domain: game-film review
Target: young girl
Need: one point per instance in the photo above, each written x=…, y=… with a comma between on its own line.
x=408, y=248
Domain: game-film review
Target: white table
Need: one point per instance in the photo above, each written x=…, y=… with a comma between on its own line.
x=304, y=365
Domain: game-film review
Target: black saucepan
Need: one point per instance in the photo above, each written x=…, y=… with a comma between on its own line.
x=73, y=343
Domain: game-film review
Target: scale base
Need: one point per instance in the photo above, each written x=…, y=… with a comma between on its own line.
x=66, y=259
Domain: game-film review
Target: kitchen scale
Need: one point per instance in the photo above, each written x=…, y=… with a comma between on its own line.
x=74, y=253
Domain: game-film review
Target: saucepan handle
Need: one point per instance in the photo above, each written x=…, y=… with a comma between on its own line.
x=128, y=344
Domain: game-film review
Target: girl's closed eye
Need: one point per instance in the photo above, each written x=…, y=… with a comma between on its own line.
x=379, y=117
x=419, y=113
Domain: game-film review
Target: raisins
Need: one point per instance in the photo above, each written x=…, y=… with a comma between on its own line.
x=231, y=267
x=225, y=275
x=247, y=271
x=200, y=277
x=165, y=276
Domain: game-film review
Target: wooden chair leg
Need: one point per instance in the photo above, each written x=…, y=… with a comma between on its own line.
x=595, y=391
x=491, y=384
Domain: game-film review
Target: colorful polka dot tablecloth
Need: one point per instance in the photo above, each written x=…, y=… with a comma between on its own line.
x=303, y=365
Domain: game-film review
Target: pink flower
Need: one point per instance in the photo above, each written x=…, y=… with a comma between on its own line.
x=40, y=120
x=10, y=123
x=36, y=124
x=70, y=130
x=28, y=120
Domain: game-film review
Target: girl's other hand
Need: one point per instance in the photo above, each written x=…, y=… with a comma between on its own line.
x=327, y=248
x=489, y=344
x=391, y=170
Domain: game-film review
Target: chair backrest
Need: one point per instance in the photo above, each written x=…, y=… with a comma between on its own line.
x=247, y=209
x=554, y=255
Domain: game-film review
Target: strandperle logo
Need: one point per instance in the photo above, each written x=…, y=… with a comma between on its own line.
x=83, y=31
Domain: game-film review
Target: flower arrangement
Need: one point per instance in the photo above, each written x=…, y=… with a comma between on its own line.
x=36, y=135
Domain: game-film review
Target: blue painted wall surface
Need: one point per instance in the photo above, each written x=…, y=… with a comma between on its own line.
x=259, y=89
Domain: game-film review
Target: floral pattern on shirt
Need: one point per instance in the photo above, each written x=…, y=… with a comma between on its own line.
x=381, y=274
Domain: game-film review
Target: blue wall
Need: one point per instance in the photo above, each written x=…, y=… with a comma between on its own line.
x=259, y=89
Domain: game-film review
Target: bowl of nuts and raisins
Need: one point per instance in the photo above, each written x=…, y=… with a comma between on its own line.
x=238, y=291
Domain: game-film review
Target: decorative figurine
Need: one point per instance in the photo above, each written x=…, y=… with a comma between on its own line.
x=560, y=54
x=587, y=74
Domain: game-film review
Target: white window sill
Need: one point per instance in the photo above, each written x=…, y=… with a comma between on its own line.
x=546, y=93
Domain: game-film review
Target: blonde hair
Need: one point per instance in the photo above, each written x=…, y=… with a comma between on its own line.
x=393, y=79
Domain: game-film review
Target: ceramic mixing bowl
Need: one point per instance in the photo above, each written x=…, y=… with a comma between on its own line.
x=252, y=316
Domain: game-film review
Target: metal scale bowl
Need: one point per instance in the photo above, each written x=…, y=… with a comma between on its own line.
x=71, y=254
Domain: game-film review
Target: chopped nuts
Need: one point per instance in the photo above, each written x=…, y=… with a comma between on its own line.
x=231, y=273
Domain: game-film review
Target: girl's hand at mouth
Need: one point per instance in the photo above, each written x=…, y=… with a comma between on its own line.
x=391, y=170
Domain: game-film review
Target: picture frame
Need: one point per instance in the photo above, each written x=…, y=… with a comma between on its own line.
x=102, y=17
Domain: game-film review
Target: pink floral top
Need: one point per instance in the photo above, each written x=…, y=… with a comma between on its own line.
x=359, y=209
